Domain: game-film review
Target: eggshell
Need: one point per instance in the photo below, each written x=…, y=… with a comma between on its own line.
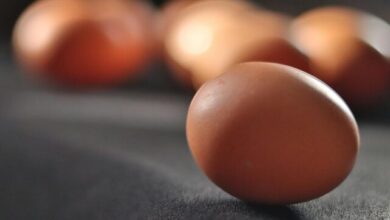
x=81, y=43
x=354, y=69
x=146, y=15
x=172, y=23
x=167, y=16
x=211, y=36
x=343, y=21
x=344, y=47
x=268, y=49
x=271, y=134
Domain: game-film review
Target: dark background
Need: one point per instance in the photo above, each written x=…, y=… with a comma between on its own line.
x=121, y=153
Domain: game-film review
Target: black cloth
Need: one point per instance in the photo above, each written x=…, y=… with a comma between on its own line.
x=122, y=154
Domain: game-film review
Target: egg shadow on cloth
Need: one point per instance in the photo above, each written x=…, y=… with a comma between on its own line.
x=276, y=211
x=379, y=113
x=157, y=78
x=234, y=209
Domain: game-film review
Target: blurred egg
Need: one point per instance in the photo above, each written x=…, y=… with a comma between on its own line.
x=172, y=9
x=210, y=36
x=272, y=134
x=354, y=69
x=270, y=49
x=82, y=43
x=344, y=47
x=168, y=15
x=171, y=22
x=146, y=14
x=343, y=21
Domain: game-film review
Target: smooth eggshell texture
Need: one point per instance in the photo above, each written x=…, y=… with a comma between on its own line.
x=346, y=49
x=210, y=36
x=81, y=43
x=272, y=134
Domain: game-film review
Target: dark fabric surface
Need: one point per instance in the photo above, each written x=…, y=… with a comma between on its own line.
x=122, y=154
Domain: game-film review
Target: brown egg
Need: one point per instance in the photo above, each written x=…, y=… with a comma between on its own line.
x=165, y=18
x=272, y=134
x=168, y=15
x=175, y=12
x=268, y=49
x=146, y=14
x=354, y=69
x=81, y=43
x=343, y=21
x=172, y=10
x=211, y=36
x=341, y=47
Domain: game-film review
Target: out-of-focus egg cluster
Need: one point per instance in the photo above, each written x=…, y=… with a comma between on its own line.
x=102, y=43
x=345, y=47
x=210, y=36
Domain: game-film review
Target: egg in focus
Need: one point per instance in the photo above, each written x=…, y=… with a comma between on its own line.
x=271, y=134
